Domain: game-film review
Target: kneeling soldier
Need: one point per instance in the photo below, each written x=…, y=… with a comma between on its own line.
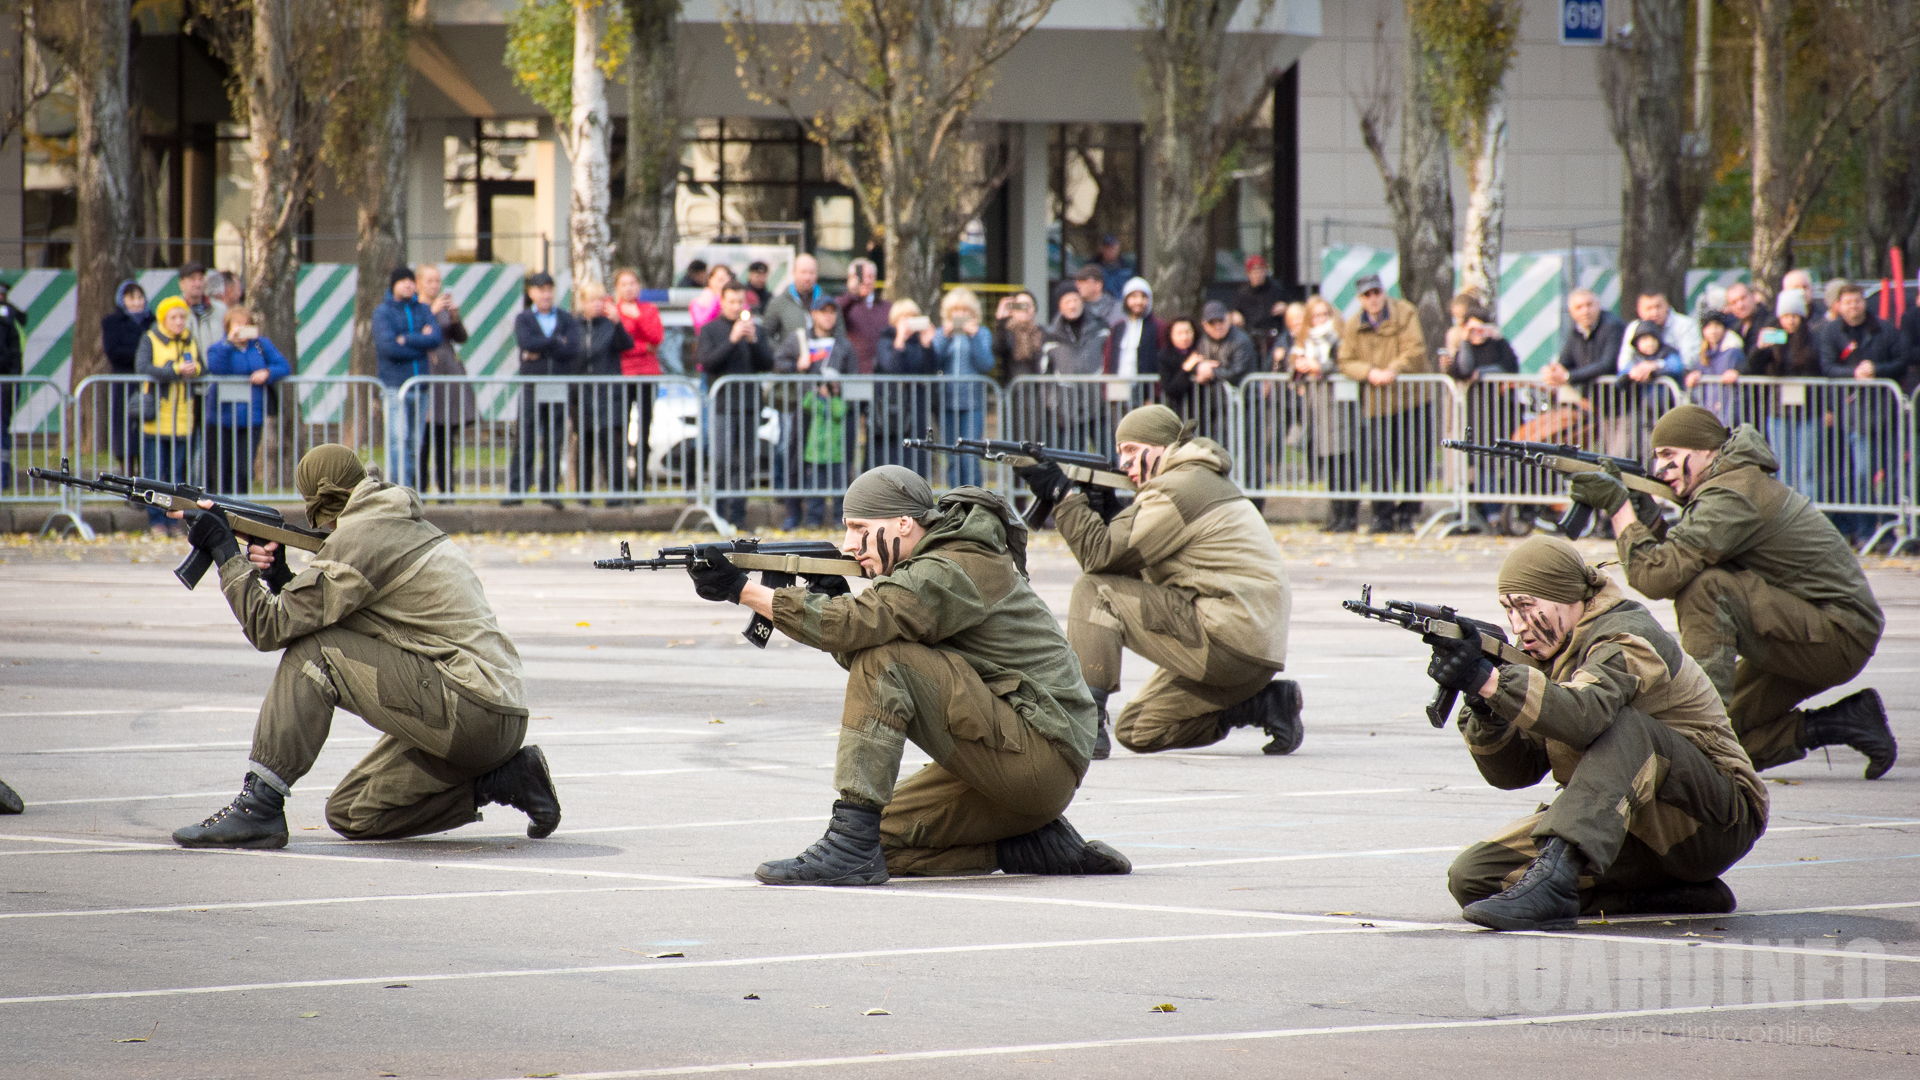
x=1187, y=576
x=390, y=623
x=952, y=649
x=1659, y=798
x=1771, y=600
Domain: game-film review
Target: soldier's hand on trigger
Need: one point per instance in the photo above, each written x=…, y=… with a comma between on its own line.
x=826, y=584
x=1601, y=490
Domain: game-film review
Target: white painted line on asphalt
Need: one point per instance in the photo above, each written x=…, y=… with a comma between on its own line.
x=135, y=712
x=1158, y=799
x=1831, y=909
x=884, y=1057
x=326, y=900
x=457, y=838
x=752, y=961
x=134, y=798
x=78, y=850
x=671, y=772
x=1111, y=905
x=1301, y=858
x=28, y=839
x=1819, y=828
x=356, y=740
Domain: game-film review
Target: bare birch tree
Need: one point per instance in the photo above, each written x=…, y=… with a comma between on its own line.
x=1203, y=88
x=562, y=53
x=1419, y=184
x=31, y=67
x=1472, y=45
x=1796, y=137
x=92, y=36
x=887, y=88
x=1643, y=77
x=648, y=224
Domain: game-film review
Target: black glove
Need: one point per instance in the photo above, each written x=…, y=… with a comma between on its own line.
x=718, y=579
x=1645, y=507
x=279, y=574
x=211, y=534
x=1046, y=481
x=826, y=584
x=1458, y=663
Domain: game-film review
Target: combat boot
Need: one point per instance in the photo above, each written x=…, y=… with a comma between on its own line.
x=256, y=818
x=849, y=853
x=1275, y=710
x=1102, y=742
x=1547, y=896
x=524, y=784
x=1858, y=721
x=1680, y=898
x=10, y=801
x=1058, y=848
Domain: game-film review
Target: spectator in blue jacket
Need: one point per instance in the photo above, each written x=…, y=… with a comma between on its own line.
x=964, y=347
x=1652, y=353
x=405, y=333
x=233, y=427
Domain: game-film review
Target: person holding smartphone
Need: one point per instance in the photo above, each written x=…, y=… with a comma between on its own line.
x=233, y=428
x=964, y=348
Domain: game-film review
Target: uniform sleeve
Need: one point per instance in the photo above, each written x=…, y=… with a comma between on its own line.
x=1613, y=674
x=1508, y=757
x=323, y=594
x=1718, y=523
x=928, y=600
x=1098, y=545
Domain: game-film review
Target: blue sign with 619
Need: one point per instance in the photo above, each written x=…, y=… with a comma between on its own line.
x=1583, y=22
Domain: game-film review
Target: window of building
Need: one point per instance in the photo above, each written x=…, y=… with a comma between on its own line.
x=1095, y=192
x=751, y=181
x=490, y=194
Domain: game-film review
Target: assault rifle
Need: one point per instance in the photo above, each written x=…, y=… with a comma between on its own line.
x=1088, y=470
x=1434, y=622
x=250, y=519
x=780, y=563
x=1567, y=461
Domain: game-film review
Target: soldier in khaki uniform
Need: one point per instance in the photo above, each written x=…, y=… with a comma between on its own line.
x=950, y=648
x=1188, y=576
x=1771, y=601
x=390, y=623
x=1658, y=797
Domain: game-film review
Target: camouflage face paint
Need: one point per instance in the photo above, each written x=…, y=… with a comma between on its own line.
x=886, y=564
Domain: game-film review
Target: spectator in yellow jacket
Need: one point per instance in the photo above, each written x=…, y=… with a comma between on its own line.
x=169, y=359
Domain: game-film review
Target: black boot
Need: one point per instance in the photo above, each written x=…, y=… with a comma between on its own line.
x=1283, y=725
x=1275, y=710
x=1345, y=517
x=1058, y=848
x=1547, y=896
x=256, y=818
x=1102, y=743
x=849, y=853
x=1858, y=721
x=1680, y=898
x=524, y=784
x=10, y=801
x=1382, y=519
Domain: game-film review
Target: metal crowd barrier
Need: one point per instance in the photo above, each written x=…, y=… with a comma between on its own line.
x=802, y=438
x=584, y=437
x=217, y=439
x=1079, y=412
x=1338, y=439
x=1846, y=444
x=1609, y=416
x=35, y=428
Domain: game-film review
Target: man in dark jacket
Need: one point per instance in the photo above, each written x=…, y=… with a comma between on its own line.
x=599, y=408
x=12, y=322
x=1259, y=305
x=405, y=333
x=730, y=344
x=1854, y=344
x=120, y=334
x=1744, y=315
x=1592, y=350
x=550, y=341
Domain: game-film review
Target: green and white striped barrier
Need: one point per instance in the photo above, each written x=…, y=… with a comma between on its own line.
x=488, y=294
x=1699, y=280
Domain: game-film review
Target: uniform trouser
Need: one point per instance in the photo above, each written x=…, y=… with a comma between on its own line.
x=1180, y=705
x=1766, y=651
x=993, y=776
x=419, y=777
x=1645, y=807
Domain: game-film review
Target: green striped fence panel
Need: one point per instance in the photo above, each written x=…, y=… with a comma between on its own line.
x=1531, y=303
x=489, y=297
x=1343, y=264
x=1698, y=280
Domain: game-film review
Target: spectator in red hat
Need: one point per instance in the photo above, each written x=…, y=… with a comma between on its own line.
x=1260, y=305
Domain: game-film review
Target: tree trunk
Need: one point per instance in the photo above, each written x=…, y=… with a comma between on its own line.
x=588, y=231
x=1891, y=203
x=107, y=182
x=1423, y=216
x=1643, y=77
x=649, y=225
x=1179, y=233
x=1184, y=83
x=1771, y=254
x=378, y=248
x=1487, y=208
x=278, y=197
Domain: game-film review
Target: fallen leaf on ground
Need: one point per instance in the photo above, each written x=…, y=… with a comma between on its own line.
x=543, y=1074
x=1368, y=924
x=308, y=1016
x=138, y=1038
x=876, y=1012
x=1809, y=858
x=1163, y=1007
x=396, y=986
x=751, y=997
x=582, y=624
x=665, y=955
x=1343, y=913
